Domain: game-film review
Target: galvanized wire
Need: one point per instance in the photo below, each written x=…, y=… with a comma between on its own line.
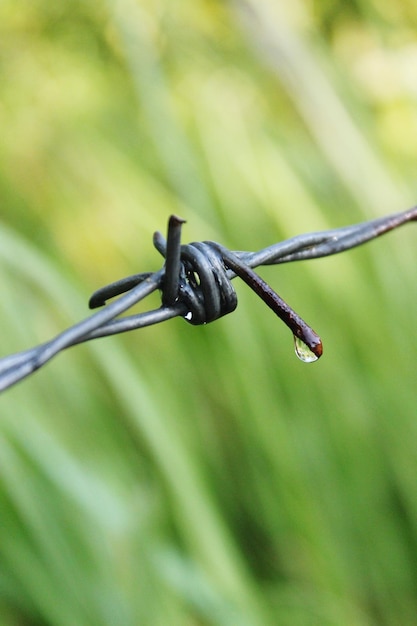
x=195, y=284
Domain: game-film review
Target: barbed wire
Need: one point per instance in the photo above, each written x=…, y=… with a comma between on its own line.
x=195, y=283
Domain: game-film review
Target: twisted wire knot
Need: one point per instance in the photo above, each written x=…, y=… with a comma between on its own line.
x=197, y=280
x=204, y=286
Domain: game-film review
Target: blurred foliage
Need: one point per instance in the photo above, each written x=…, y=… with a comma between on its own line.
x=203, y=476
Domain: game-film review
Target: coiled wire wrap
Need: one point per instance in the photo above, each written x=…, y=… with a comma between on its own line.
x=205, y=288
x=196, y=284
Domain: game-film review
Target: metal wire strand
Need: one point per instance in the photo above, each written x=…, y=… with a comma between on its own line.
x=195, y=283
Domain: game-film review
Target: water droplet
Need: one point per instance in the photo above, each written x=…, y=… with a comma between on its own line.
x=303, y=351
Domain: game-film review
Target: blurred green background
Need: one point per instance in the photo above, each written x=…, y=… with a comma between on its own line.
x=203, y=476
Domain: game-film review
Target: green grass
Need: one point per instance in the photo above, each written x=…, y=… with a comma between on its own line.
x=203, y=476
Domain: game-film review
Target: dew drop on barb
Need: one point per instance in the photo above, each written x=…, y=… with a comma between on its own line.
x=303, y=351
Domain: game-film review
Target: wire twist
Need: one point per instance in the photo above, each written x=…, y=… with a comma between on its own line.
x=196, y=284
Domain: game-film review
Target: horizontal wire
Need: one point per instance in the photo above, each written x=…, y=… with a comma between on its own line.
x=17, y=367
x=326, y=243
x=194, y=280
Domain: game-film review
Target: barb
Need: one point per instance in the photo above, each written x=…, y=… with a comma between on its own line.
x=196, y=284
